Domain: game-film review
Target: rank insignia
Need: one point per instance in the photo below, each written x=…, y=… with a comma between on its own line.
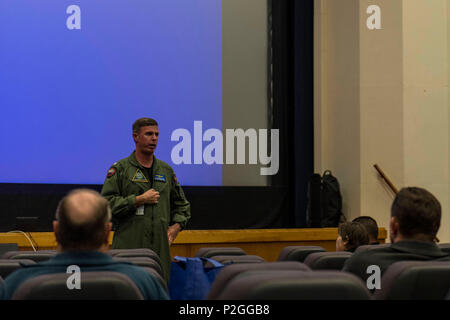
x=139, y=177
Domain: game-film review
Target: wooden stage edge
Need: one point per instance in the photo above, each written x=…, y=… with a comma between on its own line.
x=266, y=243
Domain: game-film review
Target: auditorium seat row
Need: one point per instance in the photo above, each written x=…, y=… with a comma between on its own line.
x=313, y=256
x=97, y=285
x=287, y=283
x=287, y=280
x=145, y=258
x=250, y=277
x=406, y=280
x=310, y=272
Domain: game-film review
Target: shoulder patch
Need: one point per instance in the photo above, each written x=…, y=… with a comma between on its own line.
x=111, y=172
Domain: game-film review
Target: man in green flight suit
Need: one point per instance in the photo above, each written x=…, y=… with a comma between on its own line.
x=148, y=205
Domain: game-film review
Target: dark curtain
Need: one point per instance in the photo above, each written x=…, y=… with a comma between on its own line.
x=292, y=75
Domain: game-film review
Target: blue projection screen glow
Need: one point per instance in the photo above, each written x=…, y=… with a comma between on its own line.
x=75, y=75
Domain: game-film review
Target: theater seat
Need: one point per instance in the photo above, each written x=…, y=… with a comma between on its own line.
x=415, y=280
x=327, y=260
x=140, y=252
x=444, y=247
x=238, y=259
x=141, y=262
x=8, y=266
x=209, y=252
x=5, y=247
x=298, y=253
x=230, y=271
x=295, y=285
x=94, y=286
x=37, y=256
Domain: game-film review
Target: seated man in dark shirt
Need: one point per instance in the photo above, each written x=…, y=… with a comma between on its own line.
x=82, y=229
x=415, y=221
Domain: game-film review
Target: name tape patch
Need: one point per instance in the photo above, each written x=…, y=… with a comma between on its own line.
x=160, y=177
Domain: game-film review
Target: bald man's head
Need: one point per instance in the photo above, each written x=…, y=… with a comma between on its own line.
x=82, y=220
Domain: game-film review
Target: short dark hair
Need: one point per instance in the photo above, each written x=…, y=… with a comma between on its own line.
x=355, y=233
x=143, y=122
x=89, y=234
x=370, y=224
x=418, y=213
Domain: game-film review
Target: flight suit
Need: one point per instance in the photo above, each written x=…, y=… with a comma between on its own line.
x=145, y=228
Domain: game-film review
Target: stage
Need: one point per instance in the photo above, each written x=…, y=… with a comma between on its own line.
x=266, y=243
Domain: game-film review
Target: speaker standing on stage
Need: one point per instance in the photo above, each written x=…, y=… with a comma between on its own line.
x=148, y=205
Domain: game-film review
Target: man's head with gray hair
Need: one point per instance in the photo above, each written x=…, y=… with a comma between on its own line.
x=82, y=221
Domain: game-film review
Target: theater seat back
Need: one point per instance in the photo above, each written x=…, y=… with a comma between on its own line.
x=6, y=247
x=238, y=259
x=94, y=286
x=298, y=253
x=415, y=280
x=444, y=247
x=37, y=256
x=327, y=260
x=229, y=272
x=134, y=253
x=295, y=285
x=141, y=262
x=208, y=252
x=8, y=266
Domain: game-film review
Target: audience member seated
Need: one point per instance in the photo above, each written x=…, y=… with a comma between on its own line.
x=351, y=236
x=371, y=226
x=81, y=228
x=415, y=221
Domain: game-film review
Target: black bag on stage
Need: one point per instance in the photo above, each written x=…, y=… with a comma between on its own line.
x=324, y=201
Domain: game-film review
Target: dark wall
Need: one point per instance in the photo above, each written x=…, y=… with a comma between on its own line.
x=212, y=207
